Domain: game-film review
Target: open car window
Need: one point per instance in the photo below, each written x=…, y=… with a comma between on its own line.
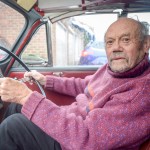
x=79, y=40
x=75, y=41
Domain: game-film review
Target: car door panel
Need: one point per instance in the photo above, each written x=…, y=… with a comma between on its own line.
x=57, y=98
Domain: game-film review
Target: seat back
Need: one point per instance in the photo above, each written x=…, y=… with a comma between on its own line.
x=145, y=145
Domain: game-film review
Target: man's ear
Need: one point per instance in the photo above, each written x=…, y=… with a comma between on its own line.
x=146, y=44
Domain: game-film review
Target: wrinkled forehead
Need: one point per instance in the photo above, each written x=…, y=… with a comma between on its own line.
x=123, y=27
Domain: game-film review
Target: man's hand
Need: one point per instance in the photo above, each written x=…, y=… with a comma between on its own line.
x=14, y=91
x=37, y=76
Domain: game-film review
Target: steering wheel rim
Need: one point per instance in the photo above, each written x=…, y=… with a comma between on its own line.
x=24, y=66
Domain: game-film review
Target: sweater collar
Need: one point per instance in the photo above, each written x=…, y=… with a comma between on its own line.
x=136, y=71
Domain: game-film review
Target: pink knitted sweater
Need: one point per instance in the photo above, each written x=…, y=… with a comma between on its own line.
x=112, y=110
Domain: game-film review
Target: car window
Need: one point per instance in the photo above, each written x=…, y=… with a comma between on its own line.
x=9, y=33
x=75, y=41
x=35, y=53
x=79, y=40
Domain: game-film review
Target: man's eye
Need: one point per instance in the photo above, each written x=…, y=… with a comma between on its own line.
x=125, y=40
x=110, y=42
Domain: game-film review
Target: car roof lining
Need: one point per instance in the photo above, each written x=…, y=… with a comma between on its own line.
x=57, y=10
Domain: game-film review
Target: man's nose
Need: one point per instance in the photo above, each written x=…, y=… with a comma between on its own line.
x=117, y=46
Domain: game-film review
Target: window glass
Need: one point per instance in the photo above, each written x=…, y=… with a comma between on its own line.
x=75, y=41
x=36, y=51
x=79, y=40
x=11, y=25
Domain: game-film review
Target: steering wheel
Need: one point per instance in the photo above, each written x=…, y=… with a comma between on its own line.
x=24, y=66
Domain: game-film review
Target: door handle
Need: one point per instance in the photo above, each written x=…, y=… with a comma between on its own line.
x=58, y=74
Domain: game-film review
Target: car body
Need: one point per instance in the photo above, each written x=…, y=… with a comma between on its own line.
x=43, y=36
x=93, y=54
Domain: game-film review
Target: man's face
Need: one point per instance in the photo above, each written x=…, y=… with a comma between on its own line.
x=123, y=47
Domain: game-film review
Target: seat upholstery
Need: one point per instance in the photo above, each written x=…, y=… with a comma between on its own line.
x=146, y=145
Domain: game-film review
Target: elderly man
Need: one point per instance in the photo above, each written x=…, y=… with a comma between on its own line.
x=112, y=107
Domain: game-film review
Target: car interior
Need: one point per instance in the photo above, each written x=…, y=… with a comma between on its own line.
x=24, y=48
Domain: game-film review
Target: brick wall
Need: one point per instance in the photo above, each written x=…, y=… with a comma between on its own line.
x=15, y=21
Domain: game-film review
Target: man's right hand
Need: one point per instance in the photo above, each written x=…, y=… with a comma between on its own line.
x=37, y=76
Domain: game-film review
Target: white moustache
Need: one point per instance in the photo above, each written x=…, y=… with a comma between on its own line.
x=116, y=55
